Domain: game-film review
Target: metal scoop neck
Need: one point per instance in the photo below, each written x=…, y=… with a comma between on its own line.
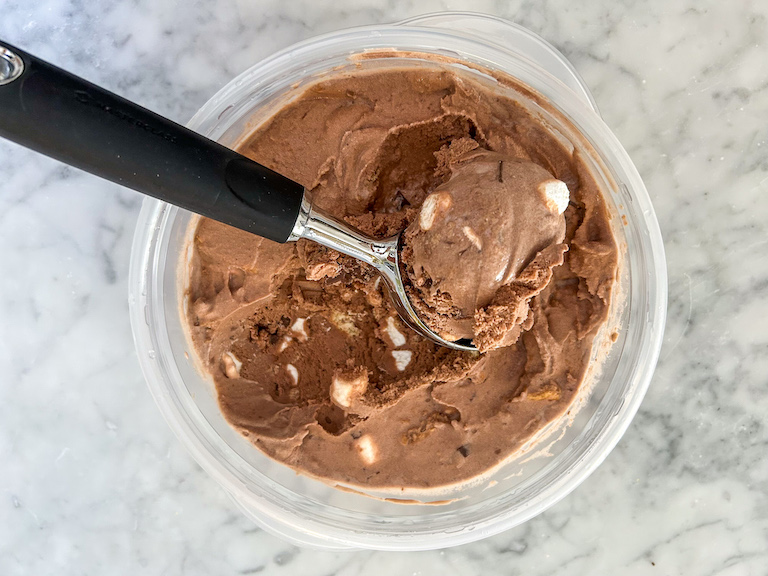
x=384, y=255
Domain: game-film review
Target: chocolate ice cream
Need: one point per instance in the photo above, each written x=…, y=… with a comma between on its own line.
x=476, y=233
x=309, y=358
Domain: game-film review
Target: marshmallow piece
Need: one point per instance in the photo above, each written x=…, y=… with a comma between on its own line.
x=402, y=358
x=231, y=365
x=299, y=329
x=367, y=449
x=473, y=237
x=397, y=337
x=345, y=390
x=434, y=203
x=293, y=373
x=284, y=344
x=555, y=194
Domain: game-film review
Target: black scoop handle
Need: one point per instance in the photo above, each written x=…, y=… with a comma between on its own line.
x=65, y=117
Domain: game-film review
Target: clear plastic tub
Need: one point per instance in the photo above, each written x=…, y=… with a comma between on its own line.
x=306, y=511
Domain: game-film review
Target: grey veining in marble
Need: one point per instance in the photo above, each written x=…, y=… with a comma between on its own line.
x=93, y=482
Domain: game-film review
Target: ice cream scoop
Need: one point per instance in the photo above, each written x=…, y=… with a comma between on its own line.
x=67, y=118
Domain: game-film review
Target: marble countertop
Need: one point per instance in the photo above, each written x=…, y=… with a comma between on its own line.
x=92, y=480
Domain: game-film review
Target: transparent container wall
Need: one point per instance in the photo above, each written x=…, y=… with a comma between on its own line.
x=237, y=121
x=499, y=31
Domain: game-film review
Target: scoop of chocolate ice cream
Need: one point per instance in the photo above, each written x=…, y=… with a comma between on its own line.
x=477, y=233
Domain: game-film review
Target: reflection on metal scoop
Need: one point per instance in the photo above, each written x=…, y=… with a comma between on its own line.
x=383, y=255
